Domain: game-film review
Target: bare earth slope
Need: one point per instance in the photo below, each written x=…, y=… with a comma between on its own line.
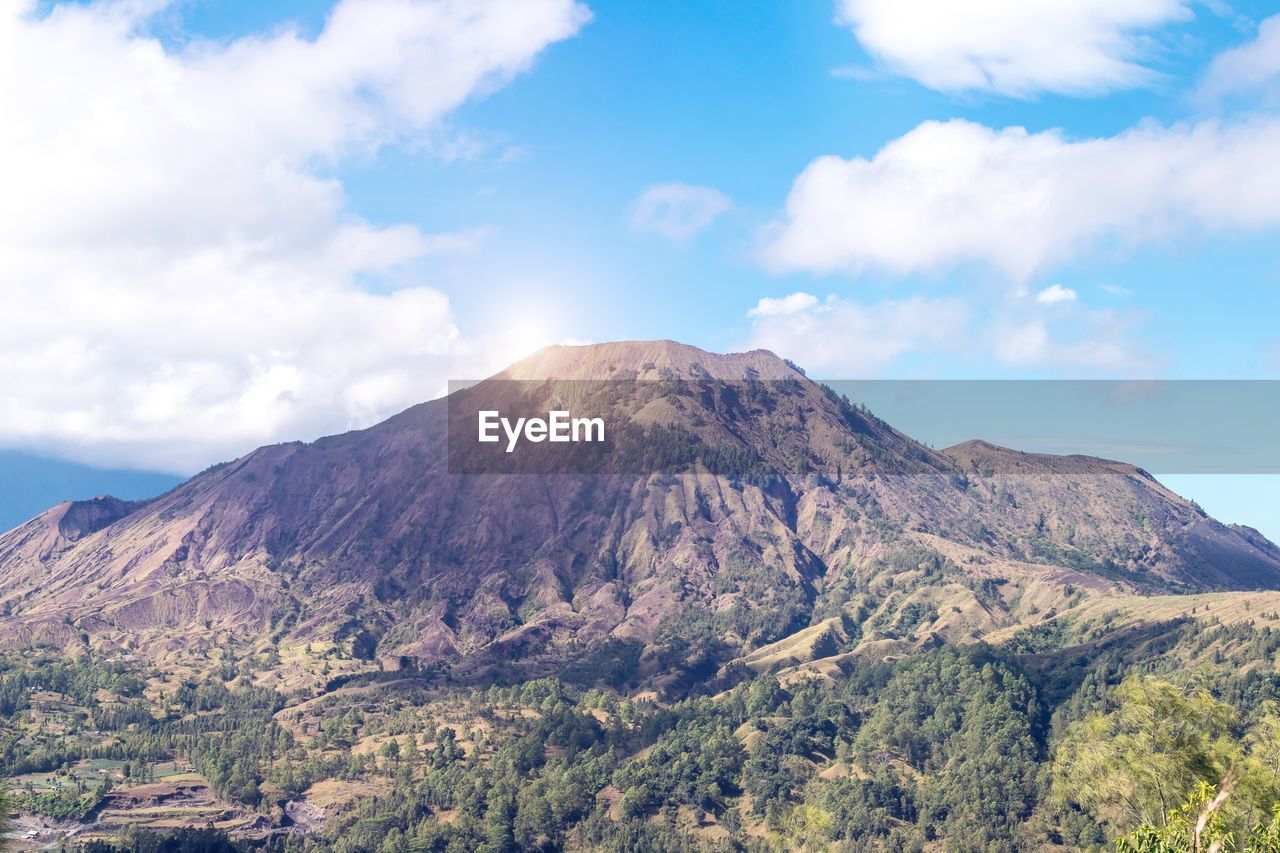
x=774, y=507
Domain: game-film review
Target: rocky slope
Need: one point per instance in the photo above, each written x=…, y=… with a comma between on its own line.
x=756, y=506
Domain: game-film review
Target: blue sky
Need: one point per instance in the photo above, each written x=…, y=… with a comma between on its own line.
x=650, y=93
x=503, y=175
x=742, y=99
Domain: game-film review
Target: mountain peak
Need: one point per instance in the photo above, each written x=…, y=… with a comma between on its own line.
x=662, y=359
x=775, y=505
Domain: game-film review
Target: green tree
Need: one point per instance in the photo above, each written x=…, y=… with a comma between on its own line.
x=1136, y=763
x=1259, y=771
x=1197, y=825
x=1202, y=825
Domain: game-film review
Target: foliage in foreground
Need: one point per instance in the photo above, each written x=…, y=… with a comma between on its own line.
x=1200, y=825
x=1164, y=743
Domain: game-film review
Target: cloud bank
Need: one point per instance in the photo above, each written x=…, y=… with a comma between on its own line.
x=181, y=279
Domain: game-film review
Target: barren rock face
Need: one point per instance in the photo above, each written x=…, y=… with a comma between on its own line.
x=770, y=505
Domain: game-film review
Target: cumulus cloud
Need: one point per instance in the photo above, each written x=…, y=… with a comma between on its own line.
x=1014, y=47
x=179, y=278
x=1054, y=294
x=955, y=192
x=792, y=303
x=678, y=211
x=844, y=337
x=1249, y=66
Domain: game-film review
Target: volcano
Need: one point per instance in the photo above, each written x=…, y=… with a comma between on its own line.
x=760, y=514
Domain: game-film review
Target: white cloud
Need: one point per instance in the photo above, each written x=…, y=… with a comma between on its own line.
x=792, y=303
x=1249, y=66
x=1082, y=343
x=179, y=279
x=1116, y=290
x=843, y=337
x=1054, y=294
x=840, y=336
x=678, y=211
x=956, y=192
x=1014, y=47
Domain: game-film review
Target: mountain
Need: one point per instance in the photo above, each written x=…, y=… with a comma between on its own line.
x=758, y=519
x=31, y=483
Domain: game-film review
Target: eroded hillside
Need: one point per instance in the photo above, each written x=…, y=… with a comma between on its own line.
x=757, y=510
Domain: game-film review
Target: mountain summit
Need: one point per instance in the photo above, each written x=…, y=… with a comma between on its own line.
x=769, y=515
x=648, y=360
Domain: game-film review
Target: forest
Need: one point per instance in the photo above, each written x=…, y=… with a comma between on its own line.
x=1166, y=737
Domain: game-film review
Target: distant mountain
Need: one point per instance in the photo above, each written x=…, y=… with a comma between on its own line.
x=30, y=484
x=774, y=521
